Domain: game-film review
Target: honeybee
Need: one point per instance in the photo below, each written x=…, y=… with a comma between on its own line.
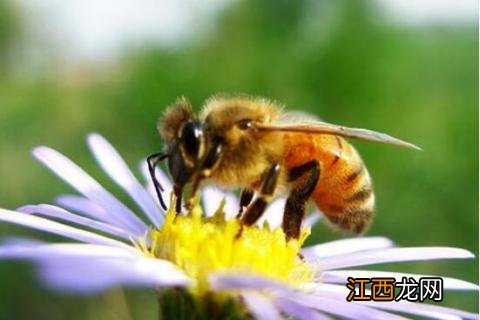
x=252, y=144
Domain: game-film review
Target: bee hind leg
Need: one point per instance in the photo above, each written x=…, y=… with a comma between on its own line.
x=304, y=179
x=257, y=208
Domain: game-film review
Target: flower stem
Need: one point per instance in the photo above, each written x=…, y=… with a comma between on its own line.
x=178, y=303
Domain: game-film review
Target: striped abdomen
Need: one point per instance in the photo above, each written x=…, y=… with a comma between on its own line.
x=344, y=191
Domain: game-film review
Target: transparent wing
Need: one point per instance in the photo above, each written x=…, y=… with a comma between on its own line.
x=328, y=128
x=291, y=117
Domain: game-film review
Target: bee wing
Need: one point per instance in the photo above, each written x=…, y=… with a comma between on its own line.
x=291, y=117
x=328, y=128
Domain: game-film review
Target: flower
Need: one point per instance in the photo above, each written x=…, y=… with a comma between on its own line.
x=259, y=272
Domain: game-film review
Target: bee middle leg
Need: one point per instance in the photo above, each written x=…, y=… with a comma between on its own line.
x=245, y=198
x=257, y=208
x=304, y=178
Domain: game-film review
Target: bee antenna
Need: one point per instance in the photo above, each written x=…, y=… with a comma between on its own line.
x=152, y=161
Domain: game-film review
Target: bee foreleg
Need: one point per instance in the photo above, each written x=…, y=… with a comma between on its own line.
x=191, y=198
x=205, y=170
x=152, y=162
x=245, y=198
x=178, y=192
x=304, y=178
x=257, y=208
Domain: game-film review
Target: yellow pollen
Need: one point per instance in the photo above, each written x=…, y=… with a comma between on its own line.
x=201, y=246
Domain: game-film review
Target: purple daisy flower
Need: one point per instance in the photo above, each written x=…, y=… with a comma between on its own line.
x=198, y=254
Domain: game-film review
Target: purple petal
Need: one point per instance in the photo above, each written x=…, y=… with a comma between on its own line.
x=340, y=276
x=340, y=307
x=282, y=291
x=392, y=255
x=260, y=306
x=420, y=309
x=90, y=188
x=83, y=206
x=114, y=165
x=274, y=214
x=161, y=177
x=211, y=198
x=346, y=246
x=221, y=281
x=59, y=213
x=58, y=228
x=41, y=251
x=298, y=311
x=18, y=241
x=69, y=275
x=331, y=306
x=83, y=268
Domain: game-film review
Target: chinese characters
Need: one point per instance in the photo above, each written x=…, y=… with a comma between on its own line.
x=384, y=289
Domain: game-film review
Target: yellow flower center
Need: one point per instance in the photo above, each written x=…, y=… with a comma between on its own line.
x=201, y=246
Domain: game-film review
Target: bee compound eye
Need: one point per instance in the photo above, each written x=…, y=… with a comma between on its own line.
x=245, y=124
x=191, y=139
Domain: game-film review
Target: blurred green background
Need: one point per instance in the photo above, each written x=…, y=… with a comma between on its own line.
x=349, y=62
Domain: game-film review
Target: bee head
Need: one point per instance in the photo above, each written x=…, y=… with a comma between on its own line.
x=184, y=139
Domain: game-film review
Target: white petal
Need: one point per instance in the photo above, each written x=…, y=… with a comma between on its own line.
x=346, y=246
x=90, y=188
x=340, y=276
x=211, y=198
x=392, y=255
x=114, y=165
x=231, y=205
x=274, y=214
x=312, y=219
x=83, y=206
x=260, y=306
x=58, y=228
x=59, y=213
